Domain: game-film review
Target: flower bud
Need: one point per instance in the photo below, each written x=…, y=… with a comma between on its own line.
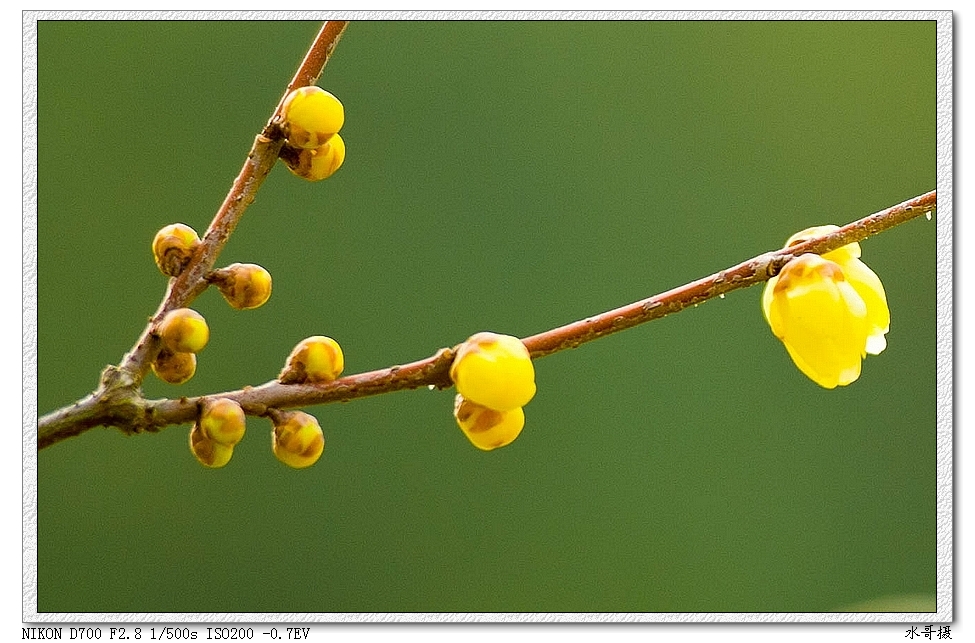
x=297, y=439
x=864, y=280
x=486, y=428
x=830, y=311
x=243, y=285
x=820, y=318
x=222, y=421
x=209, y=453
x=315, y=360
x=494, y=371
x=174, y=368
x=173, y=247
x=310, y=116
x=315, y=164
x=183, y=330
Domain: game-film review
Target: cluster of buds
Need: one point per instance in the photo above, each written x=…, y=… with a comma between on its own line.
x=311, y=119
x=495, y=378
x=183, y=332
x=830, y=311
x=297, y=439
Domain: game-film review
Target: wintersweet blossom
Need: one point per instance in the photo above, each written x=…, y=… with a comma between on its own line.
x=829, y=311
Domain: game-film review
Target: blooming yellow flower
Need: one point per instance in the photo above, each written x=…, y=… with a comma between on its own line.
x=829, y=311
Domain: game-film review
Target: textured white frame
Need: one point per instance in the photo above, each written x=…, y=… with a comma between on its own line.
x=945, y=300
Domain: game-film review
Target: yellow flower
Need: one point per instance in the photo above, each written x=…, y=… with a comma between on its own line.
x=222, y=420
x=829, y=311
x=245, y=286
x=208, y=452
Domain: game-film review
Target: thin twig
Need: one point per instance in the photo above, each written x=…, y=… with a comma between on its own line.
x=433, y=371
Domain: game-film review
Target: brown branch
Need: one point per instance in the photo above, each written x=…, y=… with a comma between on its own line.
x=117, y=401
x=433, y=371
x=260, y=160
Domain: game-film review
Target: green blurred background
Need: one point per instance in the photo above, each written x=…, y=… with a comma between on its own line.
x=508, y=177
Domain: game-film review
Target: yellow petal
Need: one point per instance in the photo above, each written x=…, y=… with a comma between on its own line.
x=867, y=284
x=820, y=318
x=767, y=295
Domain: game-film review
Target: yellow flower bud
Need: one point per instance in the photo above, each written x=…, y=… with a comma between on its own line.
x=243, y=285
x=222, y=421
x=820, y=317
x=315, y=359
x=315, y=164
x=174, y=368
x=183, y=330
x=864, y=281
x=209, y=453
x=173, y=247
x=486, y=428
x=495, y=371
x=297, y=439
x=310, y=116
